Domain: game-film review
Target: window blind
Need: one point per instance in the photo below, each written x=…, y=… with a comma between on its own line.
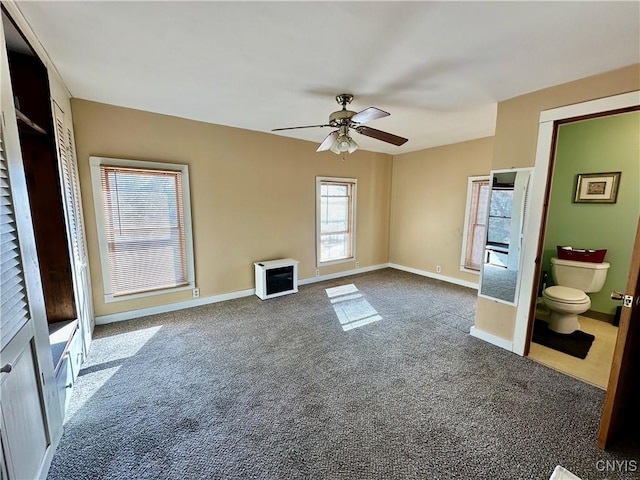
x=477, y=227
x=145, y=229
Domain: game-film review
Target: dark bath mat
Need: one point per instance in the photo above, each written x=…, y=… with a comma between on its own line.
x=576, y=344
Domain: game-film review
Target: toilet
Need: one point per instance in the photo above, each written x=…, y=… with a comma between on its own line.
x=567, y=299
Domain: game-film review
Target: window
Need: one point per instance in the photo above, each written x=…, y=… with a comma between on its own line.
x=475, y=224
x=499, y=225
x=500, y=217
x=335, y=216
x=144, y=227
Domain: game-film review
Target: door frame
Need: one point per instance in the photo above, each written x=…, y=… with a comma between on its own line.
x=536, y=222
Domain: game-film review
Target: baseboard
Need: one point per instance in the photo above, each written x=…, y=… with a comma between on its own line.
x=196, y=302
x=435, y=276
x=492, y=339
x=603, y=317
x=172, y=307
x=347, y=273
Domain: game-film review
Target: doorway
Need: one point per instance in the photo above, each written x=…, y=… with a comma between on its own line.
x=603, y=144
x=534, y=230
x=623, y=393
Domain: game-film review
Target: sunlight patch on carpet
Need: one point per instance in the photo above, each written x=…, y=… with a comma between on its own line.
x=352, y=309
x=341, y=290
x=114, y=351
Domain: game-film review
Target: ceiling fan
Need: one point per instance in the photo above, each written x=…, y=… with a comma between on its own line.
x=339, y=141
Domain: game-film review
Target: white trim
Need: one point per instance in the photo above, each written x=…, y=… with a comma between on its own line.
x=96, y=184
x=337, y=261
x=172, y=307
x=436, y=276
x=346, y=273
x=498, y=300
x=530, y=242
x=522, y=235
x=490, y=338
x=144, y=312
x=467, y=214
x=540, y=177
x=108, y=298
x=599, y=105
x=354, y=193
x=472, y=272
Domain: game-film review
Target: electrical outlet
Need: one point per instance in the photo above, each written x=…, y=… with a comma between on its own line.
x=357, y=264
x=196, y=292
x=438, y=268
x=318, y=273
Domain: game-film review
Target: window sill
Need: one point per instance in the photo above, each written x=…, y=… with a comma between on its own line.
x=328, y=263
x=122, y=298
x=468, y=270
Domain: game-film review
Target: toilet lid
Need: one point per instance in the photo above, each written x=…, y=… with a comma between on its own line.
x=565, y=294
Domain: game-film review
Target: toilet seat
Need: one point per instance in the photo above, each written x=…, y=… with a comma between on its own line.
x=565, y=304
x=567, y=295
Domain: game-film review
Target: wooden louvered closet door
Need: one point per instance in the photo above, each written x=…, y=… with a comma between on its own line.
x=23, y=418
x=75, y=223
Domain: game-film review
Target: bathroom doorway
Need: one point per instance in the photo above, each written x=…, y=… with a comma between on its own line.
x=597, y=144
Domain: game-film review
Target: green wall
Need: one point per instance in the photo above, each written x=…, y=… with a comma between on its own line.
x=606, y=144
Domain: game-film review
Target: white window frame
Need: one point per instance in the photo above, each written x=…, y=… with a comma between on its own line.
x=467, y=215
x=354, y=189
x=96, y=183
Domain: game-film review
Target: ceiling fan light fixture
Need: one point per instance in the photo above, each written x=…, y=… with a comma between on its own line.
x=339, y=141
x=334, y=148
x=344, y=143
x=353, y=146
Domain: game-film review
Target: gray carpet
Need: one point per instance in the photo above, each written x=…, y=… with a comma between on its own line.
x=276, y=389
x=498, y=282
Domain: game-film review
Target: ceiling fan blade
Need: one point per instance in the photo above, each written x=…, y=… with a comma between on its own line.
x=369, y=114
x=327, y=142
x=295, y=128
x=380, y=135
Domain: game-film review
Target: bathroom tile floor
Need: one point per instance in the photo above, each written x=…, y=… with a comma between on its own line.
x=595, y=368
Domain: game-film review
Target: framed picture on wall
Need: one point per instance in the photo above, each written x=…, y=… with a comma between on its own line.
x=597, y=187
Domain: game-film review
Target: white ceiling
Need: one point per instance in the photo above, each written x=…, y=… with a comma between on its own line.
x=438, y=67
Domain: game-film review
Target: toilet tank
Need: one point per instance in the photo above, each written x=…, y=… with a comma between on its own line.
x=585, y=276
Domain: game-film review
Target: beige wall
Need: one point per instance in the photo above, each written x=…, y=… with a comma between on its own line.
x=515, y=146
x=517, y=121
x=428, y=201
x=252, y=195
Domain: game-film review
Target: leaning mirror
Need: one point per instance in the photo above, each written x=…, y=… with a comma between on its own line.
x=499, y=278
